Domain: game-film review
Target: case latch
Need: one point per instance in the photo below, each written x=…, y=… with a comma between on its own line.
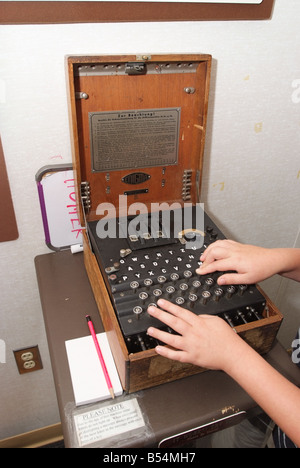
x=135, y=68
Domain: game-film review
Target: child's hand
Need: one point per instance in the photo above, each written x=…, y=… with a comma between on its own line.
x=206, y=341
x=251, y=264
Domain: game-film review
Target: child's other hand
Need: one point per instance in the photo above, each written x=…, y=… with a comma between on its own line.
x=250, y=264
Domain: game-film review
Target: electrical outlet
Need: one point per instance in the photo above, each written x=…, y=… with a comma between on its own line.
x=27, y=356
x=28, y=359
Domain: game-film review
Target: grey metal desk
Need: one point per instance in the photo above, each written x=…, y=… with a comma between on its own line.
x=197, y=405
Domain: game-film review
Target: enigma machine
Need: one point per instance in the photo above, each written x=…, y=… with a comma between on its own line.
x=138, y=131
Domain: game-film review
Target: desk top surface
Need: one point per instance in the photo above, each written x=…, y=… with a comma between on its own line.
x=172, y=408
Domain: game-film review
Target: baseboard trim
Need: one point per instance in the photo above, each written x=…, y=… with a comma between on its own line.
x=34, y=439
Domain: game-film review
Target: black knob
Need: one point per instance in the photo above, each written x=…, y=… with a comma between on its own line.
x=134, y=285
x=196, y=285
x=208, y=283
x=174, y=277
x=190, y=236
x=148, y=283
x=170, y=290
x=161, y=279
x=230, y=291
x=192, y=299
x=137, y=310
x=179, y=300
x=218, y=293
x=205, y=296
x=143, y=296
x=187, y=274
x=242, y=289
x=157, y=292
x=183, y=288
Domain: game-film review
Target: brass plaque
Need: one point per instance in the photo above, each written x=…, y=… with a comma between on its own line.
x=133, y=139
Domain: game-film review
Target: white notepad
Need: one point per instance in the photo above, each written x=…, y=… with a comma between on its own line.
x=89, y=384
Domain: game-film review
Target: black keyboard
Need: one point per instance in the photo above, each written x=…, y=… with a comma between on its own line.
x=158, y=263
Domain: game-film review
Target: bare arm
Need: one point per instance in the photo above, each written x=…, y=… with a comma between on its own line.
x=252, y=264
x=209, y=342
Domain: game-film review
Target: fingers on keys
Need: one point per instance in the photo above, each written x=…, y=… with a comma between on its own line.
x=175, y=317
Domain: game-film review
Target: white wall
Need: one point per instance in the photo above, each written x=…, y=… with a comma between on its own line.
x=251, y=179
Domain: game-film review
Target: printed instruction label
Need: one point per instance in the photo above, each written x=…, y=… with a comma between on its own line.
x=108, y=421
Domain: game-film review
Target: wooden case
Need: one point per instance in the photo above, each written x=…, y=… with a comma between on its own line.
x=176, y=87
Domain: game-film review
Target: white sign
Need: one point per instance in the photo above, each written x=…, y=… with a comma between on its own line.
x=108, y=421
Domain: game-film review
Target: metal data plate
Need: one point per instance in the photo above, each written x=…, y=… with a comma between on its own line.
x=130, y=139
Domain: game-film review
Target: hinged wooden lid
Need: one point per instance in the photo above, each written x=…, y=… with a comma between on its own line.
x=138, y=127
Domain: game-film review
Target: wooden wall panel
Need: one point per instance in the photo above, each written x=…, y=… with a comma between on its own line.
x=35, y=12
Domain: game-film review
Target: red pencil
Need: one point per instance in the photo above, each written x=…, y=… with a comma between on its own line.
x=106, y=375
